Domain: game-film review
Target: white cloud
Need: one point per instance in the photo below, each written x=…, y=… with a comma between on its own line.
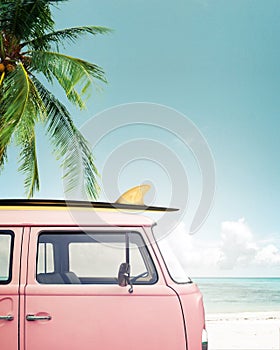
x=192, y=252
x=268, y=255
x=237, y=245
x=237, y=250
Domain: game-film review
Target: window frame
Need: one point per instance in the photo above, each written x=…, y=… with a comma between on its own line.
x=11, y=255
x=144, y=251
x=45, y=258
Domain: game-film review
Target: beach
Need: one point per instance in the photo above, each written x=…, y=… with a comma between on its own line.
x=246, y=331
x=242, y=313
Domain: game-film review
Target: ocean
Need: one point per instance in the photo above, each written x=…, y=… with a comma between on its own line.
x=226, y=295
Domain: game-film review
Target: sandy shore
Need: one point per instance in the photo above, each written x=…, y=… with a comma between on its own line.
x=246, y=331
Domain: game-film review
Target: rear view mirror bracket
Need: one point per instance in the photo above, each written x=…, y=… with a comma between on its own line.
x=124, y=269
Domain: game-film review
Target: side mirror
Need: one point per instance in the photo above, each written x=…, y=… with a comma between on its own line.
x=123, y=275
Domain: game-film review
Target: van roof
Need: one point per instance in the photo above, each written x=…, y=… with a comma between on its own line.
x=46, y=212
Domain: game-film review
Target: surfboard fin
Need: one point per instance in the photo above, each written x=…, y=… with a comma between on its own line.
x=134, y=196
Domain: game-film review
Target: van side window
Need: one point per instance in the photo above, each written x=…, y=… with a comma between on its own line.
x=92, y=258
x=45, y=258
x=6, y=248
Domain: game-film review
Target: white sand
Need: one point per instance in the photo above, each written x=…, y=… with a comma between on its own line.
x=252, y=330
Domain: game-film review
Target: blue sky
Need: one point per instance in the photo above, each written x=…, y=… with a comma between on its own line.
x=218, y=63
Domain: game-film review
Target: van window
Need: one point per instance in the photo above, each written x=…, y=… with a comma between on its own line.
x=6, y=245
x=92, y=258
x=45, y=258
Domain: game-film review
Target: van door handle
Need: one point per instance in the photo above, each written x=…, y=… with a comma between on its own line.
x=38, y=318
x=7, y=318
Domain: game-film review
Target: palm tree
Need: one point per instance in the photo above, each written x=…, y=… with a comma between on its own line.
x=29, y=48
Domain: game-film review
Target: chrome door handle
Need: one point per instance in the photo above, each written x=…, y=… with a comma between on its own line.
x=38, y=318
x=7, y=318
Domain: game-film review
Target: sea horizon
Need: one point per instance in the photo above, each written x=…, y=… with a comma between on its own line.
x=239, y=294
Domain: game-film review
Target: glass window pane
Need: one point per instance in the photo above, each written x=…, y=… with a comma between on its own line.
x=45, y=258
x=95, y=259
x=5, y=257
x=92, y=258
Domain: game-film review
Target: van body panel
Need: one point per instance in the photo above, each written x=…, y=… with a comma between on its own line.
x=104, y=315
x=49, y=216
x=192, y=304
x=9, y=329
x=9, y=295
x=190, y=298
x=105, y=322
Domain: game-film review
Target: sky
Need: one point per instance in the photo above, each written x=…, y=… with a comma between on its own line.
x=215, y=62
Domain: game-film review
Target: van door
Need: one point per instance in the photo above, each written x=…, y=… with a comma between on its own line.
x=73, y=300
x=10, y=242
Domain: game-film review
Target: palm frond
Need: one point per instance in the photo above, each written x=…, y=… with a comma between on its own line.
x=61, y=36
x=21, y=107
x=2, y=50
x=13, y=102
x=28, y=158
x=69, y=144
x=71, y=73
x=26, y=18
x=25, y=138
x=3, y=156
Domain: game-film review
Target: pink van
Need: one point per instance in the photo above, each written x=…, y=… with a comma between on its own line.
x=78, y=275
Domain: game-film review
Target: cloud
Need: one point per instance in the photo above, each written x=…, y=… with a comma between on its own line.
x=237, y=245
x=268, y=255
x=191, y=251
x=237, y=249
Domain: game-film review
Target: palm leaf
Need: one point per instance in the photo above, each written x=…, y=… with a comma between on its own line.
x=3, y=148
x=70, y=73
x=61, y=36
x=25, y=138
x=3, y=156
x=2, y=51
x=69, y=144
x=13, y=102
x=22, y=106
x=28, y=158
x=26, y=18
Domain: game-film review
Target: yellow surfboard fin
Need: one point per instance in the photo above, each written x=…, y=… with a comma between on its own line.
x=134, y=196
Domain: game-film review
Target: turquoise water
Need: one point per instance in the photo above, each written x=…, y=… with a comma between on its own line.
x=240, y=294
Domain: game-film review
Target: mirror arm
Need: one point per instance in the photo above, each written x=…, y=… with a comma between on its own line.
x=127, y=258
x=124, y=269
x=130, y=291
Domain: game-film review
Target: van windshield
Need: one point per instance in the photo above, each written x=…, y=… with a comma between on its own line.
x=172, y=250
